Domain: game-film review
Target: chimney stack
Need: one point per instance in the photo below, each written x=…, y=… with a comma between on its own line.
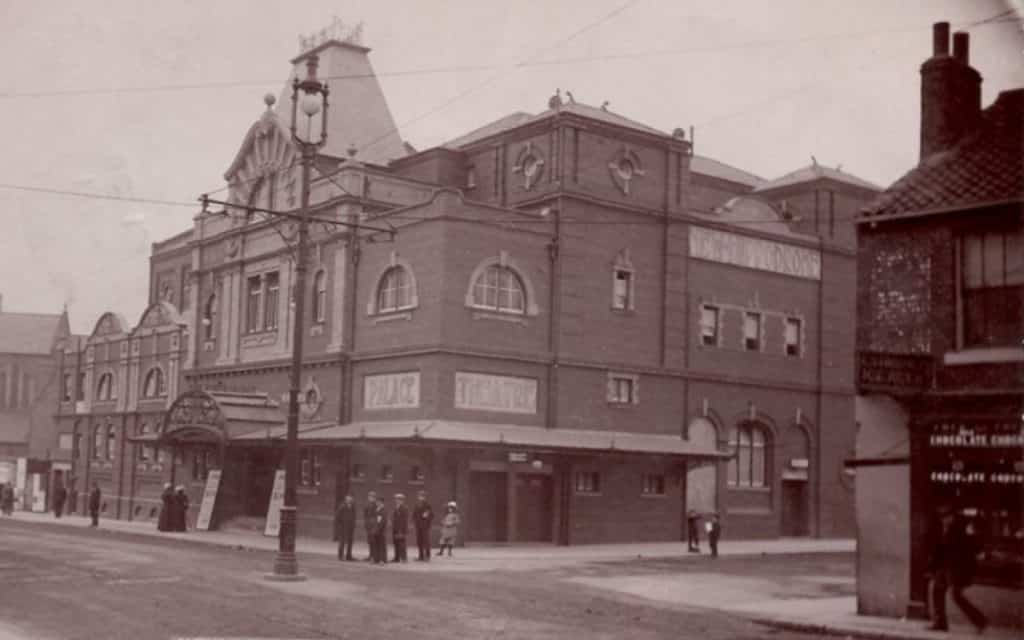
x=950, y=92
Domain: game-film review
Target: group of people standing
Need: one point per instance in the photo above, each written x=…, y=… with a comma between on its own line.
x=376, y=521
x=173, y=509
x=713, y=527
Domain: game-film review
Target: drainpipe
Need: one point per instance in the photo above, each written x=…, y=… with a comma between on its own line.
x=821, y=401
x=349, y=384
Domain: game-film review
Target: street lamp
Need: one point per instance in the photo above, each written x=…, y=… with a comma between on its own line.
x=309, y=96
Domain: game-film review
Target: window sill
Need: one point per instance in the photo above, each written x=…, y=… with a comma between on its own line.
x=503, y=317
x=983, y=355
x=630, y=311
x=392, y=316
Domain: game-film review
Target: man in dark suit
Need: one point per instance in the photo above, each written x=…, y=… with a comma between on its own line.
x=369, y=520
x=95, y=498
x=423, y=518
x=345, y=521
x=378, y=548
x=399, y=528
x=952, y=566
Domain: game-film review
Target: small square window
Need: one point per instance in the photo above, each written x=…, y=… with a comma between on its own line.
x=387, y=474
x=794, y=331
x=622, y=389
x=653, y=484
x=416, y=474
x=709, y=326
x=622, y=289
x=752, y=331
x=358, y=472
x=588, y=482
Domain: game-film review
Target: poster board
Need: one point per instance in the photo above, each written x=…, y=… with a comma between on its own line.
x=273, y=526
x=209, y=498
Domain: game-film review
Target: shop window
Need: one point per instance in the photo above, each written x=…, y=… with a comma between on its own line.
x=416, y=474
x=309, y=468
x=588, y=482
x=387, y=474
x=320, y=296
x=623, y=389
x=709, y=326
x=794, y=336
x=210, y=318
x=752, y=331
x=395, y=291
x=499, y=288
x=253, y=297
x=652, y=484
x=747, y=468
x=992, y=286
x=154, y=385
x=358, y=472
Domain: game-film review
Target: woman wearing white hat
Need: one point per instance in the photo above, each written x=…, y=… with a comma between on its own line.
x=449, y=528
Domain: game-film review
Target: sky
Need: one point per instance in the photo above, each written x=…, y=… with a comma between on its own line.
x=92, y=99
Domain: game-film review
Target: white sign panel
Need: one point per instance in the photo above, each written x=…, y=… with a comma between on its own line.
x=276, y=502
x=504, y=394
x=392, y=391
x=209, y=498
x=755, y=253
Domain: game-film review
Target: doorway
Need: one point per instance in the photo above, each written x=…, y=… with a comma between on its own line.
x=260, y=477
x=794, y=509
x=488, y=507
x=533, y=507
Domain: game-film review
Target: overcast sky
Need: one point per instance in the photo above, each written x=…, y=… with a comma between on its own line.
x=766, y=84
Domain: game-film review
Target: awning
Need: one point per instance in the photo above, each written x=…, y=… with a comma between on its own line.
x=482, y=433
x=198, y=416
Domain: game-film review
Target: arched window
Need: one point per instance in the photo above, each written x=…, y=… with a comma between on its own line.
x=210, y=318
x=111, y=442
x=154, y=385
x=98, y=442
x=319, y=296
x=747, y=468
x=105, y=389
x=395, y=290
x=499, y=288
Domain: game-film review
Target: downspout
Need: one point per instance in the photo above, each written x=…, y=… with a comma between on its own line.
x=662, y=356
x=821, y=402
x=348, y=382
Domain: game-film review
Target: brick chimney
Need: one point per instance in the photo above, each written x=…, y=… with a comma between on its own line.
x=950, y=92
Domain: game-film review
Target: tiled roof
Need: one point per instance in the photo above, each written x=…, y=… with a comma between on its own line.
x=28, y=333
x=987, y=166
x=501, y=124
x=710, y=167
x=814, y=172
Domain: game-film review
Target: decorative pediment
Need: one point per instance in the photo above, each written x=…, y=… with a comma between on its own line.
x=265, y=164
x=109, y=324
x=160, y=314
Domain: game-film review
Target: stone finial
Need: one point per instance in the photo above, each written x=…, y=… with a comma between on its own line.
x=269, y=100
x=556, y=100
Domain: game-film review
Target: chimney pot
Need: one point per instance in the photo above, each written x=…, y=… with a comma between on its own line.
x=961, y=46
x=940, y=39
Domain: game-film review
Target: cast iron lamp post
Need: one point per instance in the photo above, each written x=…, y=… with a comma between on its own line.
x=309, y=95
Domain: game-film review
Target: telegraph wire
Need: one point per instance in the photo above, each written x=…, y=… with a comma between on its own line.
x=96, y=196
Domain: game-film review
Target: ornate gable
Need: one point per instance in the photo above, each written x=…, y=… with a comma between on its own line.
x=264, y=173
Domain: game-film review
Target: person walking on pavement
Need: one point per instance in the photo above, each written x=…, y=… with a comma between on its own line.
x=399, y=528
x=693, y=531
x=380, y=526
x=7, y=499
x=60, y=496
x=449, y=528
x=345, y=521
x=714, y=533
x=180, y=522
x=423, y=518
x=369, y=521
x=95, y=497
x=952, y=566
x=163, y=521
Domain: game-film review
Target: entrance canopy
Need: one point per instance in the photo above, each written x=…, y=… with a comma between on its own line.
x=214, y=417
x=481, y=433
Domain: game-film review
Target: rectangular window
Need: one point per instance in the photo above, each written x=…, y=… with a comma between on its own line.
x=387, y=474
x=709, y=326
x=588, y=482
x=358, y=472
x=80, y=393
x=794, y=331
x=273, y=286
x=416, y=474
x=622, y=289
x=305, y=468
x=254, y=291
x=752, y=331
x=653, y=484
x=622, y=389
x=993, y=288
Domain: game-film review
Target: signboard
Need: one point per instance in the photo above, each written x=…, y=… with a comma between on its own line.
x=517, y=456
x=209, y=498
x=495, y=393
x=755, y=253
x=276, y=502
x=392, y=391
x=983, y=453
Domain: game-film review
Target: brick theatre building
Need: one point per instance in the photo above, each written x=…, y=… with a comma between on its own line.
x=578, y=330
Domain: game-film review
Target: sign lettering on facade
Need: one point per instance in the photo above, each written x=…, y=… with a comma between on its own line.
x=755, y=253
x=274, y=508
x=392, y=391
x=209, y=498
x=495, y=393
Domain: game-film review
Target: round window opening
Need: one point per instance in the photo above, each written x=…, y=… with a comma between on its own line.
x=530, y=166
x=626, y=169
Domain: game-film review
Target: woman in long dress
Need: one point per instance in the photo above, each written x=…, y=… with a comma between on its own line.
x=163, y=523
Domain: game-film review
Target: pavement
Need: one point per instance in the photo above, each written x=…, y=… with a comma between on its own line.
x=800, y=605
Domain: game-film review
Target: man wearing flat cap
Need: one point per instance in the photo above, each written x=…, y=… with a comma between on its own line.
x=399, y=528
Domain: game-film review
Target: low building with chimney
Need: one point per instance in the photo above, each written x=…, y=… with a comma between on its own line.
x=940, y=311
x=565, y=321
